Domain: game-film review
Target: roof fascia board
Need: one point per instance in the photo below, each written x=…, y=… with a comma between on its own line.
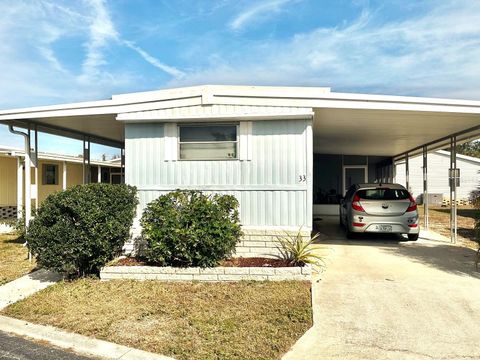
x=111, y=110
x=307, y=93
x=238, y=117
x=348, y=104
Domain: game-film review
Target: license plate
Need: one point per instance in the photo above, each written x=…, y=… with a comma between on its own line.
x=384, y=228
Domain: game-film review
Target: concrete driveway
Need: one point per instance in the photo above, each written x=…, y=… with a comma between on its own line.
x=386, y=298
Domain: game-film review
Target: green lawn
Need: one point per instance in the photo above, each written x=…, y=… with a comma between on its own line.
x=13, y=258
x=244, y=320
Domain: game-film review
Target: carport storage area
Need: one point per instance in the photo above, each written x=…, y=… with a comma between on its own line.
x=333, y=174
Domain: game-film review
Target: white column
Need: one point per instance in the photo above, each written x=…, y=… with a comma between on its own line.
x=28, y=183
x=19, y=187
x=99, y=174
x=36, y=186
x=64, y=176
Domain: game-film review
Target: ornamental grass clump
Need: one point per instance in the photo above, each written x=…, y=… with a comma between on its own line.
x=190, y=228
x=77, y=231
x=297, y=250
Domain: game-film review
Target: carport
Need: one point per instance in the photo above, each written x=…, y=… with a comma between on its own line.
x=363, y=145
x=360, y=134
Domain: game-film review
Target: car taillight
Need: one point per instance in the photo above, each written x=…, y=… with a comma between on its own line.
x=356, y=203
x=413, y=204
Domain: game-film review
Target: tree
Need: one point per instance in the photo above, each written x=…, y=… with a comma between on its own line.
x=470, y=149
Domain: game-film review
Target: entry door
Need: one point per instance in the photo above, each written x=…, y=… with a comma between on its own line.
x=354, y=174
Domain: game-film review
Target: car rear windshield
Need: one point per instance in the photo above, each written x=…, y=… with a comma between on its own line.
x=383, y=194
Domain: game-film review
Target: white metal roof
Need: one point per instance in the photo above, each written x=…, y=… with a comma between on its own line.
x=320, y=97
x=460, y=156
x=343, y=123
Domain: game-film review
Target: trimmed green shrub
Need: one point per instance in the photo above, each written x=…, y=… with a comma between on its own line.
x=77, y=231
x=189, y=228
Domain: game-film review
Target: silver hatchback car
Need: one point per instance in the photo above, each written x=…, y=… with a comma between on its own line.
x=379, y=208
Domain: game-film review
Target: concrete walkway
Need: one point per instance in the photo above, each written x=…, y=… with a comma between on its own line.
x=385, y=298
x=26, y=285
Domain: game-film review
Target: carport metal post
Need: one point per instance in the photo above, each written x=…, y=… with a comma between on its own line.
x=407, y=173
x=86, y=161
x=34, y=160
x=453, y=178
x=425, y=188
x=122, y=165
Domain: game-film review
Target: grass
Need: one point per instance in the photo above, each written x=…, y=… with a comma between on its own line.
x=254, y=320
x=13, y=258
x=439, y=220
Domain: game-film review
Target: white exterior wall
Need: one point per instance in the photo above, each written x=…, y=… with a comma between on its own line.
x=267, y=186
x=438, y=165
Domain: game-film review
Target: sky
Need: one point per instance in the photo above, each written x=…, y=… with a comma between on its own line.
x=64, y=51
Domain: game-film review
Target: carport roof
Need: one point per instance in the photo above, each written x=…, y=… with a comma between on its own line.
x=344, y=123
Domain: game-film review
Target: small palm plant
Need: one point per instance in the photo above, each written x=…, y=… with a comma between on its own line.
x=297, y=250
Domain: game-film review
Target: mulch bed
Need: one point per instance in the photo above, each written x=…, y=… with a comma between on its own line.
x=129, y=261
x=255, y=262
x=234, y=262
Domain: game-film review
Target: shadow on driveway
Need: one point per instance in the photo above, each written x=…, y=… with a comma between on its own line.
x=449, y=258
x=436, y=254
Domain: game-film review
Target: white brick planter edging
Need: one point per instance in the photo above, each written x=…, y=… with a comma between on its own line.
x=209, y=274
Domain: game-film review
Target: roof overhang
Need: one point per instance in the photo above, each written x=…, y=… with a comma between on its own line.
x=343, y=123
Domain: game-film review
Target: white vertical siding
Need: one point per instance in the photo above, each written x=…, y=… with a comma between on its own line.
x=267, y=186
x=438, y=165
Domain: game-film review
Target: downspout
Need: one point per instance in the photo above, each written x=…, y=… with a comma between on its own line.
x=28, y=199
x=28, y=180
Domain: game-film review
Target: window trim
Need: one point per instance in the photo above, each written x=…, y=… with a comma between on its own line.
x=44, y=174
x=236, y=142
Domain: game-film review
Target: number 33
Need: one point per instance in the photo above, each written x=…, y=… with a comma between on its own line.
x=302, y=178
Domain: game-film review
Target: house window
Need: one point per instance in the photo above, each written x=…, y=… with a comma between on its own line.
x=208, y=142
x=50, y=174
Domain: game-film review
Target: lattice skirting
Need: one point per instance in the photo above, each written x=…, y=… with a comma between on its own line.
x=8, y=212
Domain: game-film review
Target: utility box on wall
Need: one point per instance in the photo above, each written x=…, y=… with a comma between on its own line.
x=433, y=199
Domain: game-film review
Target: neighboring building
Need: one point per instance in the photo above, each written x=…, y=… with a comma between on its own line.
x=55, y=173
x=438, y=186
x=286, y=153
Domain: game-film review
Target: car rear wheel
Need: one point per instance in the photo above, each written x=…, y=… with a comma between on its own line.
x=413, y=237
x=348, y=233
